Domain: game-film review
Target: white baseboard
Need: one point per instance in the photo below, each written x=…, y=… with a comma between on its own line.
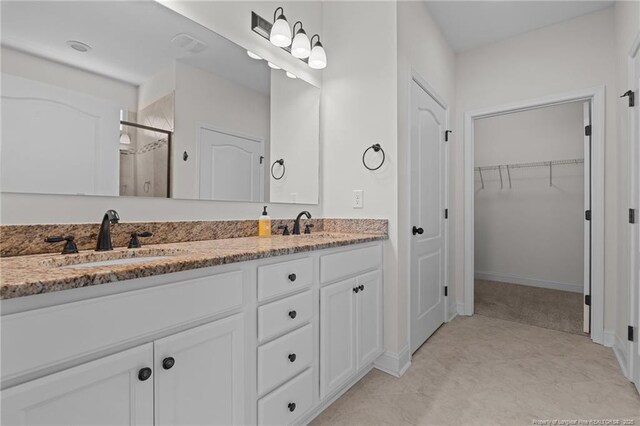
x=532, y=282
x=452, y=311
x=460, y=308
x=609, y=338
x=620, y=349
x=394, y=364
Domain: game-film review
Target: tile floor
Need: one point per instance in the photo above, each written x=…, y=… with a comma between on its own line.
x=486, y=371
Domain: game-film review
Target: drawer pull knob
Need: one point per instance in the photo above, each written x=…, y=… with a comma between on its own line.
x=293, y=314
x=168, y=362
x=356, y=289
x=292, y=277
x=292, y=357
x=292, y=406
x=144, y=374
x=361, y=287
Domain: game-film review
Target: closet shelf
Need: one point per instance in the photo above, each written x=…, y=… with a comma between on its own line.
x=508, y=167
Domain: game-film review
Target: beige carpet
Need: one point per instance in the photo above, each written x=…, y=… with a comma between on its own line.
x=554, y=309
x=486, y=371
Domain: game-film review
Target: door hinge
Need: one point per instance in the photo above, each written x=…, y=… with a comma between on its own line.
x=587, y=215
x=587, y=130
x=446, y=135
x=632, y=215
x=632, y=97
x=446, y=213
x=630, y=333
x=587, y=299
x=446, y=290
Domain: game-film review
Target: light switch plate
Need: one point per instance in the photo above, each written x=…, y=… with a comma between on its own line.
x=358, y=201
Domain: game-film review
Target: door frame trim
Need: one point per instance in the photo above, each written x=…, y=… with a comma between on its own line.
x=595, y=95
x=422, y=82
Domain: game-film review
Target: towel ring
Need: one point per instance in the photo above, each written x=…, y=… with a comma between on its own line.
x=281, y=162
x=376, y=148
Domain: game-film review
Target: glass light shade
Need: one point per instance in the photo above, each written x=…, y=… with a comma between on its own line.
x=300, y=48
x=253, y=55
x=290, y=75
x=280, y=32
x=273, y=66
x=318, y=57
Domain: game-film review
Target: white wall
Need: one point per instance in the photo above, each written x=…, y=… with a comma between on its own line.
x=358, y=108
x=295, y=129
x=627, y=28
x=423, y=49
x=232, y=20
x=206, y=99
x=531, y=232
x=572, y=55
x=159, y=85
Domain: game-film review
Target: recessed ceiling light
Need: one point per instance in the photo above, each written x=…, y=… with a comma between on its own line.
x=79, y=46
x=274, y=66
x=253, y=55
x=291, y=75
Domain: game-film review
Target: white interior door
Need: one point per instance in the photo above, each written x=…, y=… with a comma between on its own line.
x=586, y=324
x=634, y=203
x=428, y=203
x=57, y=141
x=231, y=166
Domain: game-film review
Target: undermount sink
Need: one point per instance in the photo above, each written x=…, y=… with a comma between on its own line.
x=113, y=262
x=117, y=257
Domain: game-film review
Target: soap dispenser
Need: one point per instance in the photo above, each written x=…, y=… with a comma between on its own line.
x=264, y=224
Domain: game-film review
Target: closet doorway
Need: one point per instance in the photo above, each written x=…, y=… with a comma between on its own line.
x=534, y=229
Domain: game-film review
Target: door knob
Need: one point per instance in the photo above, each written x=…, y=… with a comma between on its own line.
x=144, y=374
x=168, y=362
x=417, y=230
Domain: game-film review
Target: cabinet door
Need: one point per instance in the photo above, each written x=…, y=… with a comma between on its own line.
x=205, y=383
x=337, y=335
x=107, y=391
x=369, y=318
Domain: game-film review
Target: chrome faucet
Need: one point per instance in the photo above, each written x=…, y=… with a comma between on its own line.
x=296, y=223
x=104, y=236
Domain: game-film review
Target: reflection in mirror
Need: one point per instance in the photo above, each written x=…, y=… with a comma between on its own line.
x=133, y=99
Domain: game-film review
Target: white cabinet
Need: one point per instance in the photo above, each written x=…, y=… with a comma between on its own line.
x=337, y=335
x=351, y=329
x=107, y=391
x=199, y=375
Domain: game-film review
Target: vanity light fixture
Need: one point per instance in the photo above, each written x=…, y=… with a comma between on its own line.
x=290, y=75
x=273, y=66
x=300, y=48
x=253, y=55
x=280, y=34
x=318, y=57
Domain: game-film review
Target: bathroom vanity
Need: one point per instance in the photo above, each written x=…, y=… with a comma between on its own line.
x=235, y=331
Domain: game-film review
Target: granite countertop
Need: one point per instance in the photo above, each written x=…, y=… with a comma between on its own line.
x=44, y=273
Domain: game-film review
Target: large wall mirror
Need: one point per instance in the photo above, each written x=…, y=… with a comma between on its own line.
x=133, y=99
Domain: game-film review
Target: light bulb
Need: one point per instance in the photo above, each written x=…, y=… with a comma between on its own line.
x=273, y=66
x=290, y=75
x=300, y=48
x=253, y=55
x=280, y=32
x=318, y=57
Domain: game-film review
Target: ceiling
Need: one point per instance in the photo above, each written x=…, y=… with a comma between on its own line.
x=130, y=40
x=470, y=24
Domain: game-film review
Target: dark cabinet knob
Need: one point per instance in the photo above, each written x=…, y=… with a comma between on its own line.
x=144, y=374
x=292, y=406
x=417, y=230
x=292, y=314
x=292, y=357
x=292, y=277
x=168, y=362
x=356, y=289
x=361, y=287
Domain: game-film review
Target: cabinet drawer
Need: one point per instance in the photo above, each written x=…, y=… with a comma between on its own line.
x=284, y=358
x=283, y=278
x=350, y=262
x=278, y=407
x=283, y=315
